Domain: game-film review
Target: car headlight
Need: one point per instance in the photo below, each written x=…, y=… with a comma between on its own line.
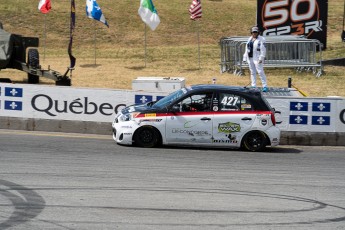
x=127, y=116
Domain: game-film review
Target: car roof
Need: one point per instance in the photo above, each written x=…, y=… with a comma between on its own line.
x=222, y=87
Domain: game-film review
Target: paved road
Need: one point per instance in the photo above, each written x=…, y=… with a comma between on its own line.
x=66, y=181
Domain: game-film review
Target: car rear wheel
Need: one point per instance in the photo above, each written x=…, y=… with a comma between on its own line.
x=254, y=141
x=146, y=137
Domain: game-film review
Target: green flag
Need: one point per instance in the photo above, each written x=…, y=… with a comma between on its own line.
x=148, y=14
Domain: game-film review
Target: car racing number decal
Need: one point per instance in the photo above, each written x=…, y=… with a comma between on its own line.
x=232, y=101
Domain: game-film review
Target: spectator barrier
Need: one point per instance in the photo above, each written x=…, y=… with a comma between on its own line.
x=281, y=52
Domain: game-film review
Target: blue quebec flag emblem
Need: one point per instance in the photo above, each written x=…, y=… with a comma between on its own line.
x=13, y=105
x=13, y=92
x=299, y=106
x=16, y=94
x=321, y=120
x=142, y=99
x=321, y=107
x=298, y=119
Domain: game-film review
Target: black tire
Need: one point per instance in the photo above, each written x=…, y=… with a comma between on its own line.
x=254, y=141
x=34, y=62
x=146, y=137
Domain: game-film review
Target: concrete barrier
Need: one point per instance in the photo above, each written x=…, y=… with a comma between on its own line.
x=104, y=128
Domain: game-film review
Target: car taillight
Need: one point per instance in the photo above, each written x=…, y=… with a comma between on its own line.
x=273, y=118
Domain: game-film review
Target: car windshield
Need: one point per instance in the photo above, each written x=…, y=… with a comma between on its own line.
x=170, y=98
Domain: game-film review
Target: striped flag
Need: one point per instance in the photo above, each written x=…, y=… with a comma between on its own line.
x=195, y=10
x=44, y=6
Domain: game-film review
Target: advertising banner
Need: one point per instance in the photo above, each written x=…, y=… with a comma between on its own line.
x=297, y=17
x=66, y=103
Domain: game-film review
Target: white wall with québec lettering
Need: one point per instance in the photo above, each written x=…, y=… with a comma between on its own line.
x=101, y=105
x=67, y=103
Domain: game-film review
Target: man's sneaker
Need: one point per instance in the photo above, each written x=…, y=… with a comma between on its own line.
x=264, y=89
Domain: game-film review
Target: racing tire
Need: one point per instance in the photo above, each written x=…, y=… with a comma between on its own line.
x=146, y=137
x=254, y=141
x=34, y=62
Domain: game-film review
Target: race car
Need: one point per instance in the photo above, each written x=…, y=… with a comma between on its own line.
x=203, y=116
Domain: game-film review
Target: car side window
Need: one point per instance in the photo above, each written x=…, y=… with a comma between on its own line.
x=196, y=103
x=232, y=102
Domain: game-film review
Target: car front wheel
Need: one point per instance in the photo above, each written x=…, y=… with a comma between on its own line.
x=254, y=141
x=146, y=137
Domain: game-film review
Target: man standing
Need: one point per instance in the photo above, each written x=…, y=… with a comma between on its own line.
x=255, y=54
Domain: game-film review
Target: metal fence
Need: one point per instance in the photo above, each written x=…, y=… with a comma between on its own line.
x=281, y=52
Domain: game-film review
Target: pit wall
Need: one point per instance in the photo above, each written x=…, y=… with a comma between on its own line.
x=302, y=120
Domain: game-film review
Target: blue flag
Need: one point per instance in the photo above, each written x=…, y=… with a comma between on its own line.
x=95, y=12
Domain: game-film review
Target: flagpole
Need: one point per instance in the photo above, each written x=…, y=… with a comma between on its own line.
x=94, y=38
x=145, y=45
x=198, y=42
x=45, y=36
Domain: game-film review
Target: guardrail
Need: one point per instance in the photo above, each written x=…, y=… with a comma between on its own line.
x=281, y=52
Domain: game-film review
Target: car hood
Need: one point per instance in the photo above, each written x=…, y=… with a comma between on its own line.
x=142, y=108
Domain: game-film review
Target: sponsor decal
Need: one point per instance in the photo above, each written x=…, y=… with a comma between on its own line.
x=126, y=126
x=229, y=127
x=190, y=124
x=298, y=106
x=215, y=108
x=321, y=120
x=142, y=99
x=191, y=132
x=264, y=122
x=298, y=119
x=229, y=138
x=225, y=141
x=246, y=106
x=151, y=120
x=128, y=134
x=321, y=107
x=150, y=114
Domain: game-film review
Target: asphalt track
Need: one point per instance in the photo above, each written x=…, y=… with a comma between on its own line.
x=74, y=181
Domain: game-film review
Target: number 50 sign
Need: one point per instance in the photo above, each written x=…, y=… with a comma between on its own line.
x=295, y=17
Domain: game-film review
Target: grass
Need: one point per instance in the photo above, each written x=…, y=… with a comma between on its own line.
x=172, y=49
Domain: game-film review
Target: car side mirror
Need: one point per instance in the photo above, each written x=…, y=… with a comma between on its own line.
x=175, y=108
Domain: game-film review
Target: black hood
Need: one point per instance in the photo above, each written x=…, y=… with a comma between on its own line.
x=142, y=108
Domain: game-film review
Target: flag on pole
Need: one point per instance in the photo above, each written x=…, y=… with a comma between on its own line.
x=72, y=26
x=94, y=11
x=44, y=6
x=148, y=14
x=195, y=10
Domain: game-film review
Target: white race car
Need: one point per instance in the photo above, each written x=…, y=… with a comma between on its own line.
x=200, y=115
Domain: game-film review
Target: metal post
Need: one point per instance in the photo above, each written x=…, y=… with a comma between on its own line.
x=145, y=45
x=198, y=42
x=45, y=36
x=94, y=39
